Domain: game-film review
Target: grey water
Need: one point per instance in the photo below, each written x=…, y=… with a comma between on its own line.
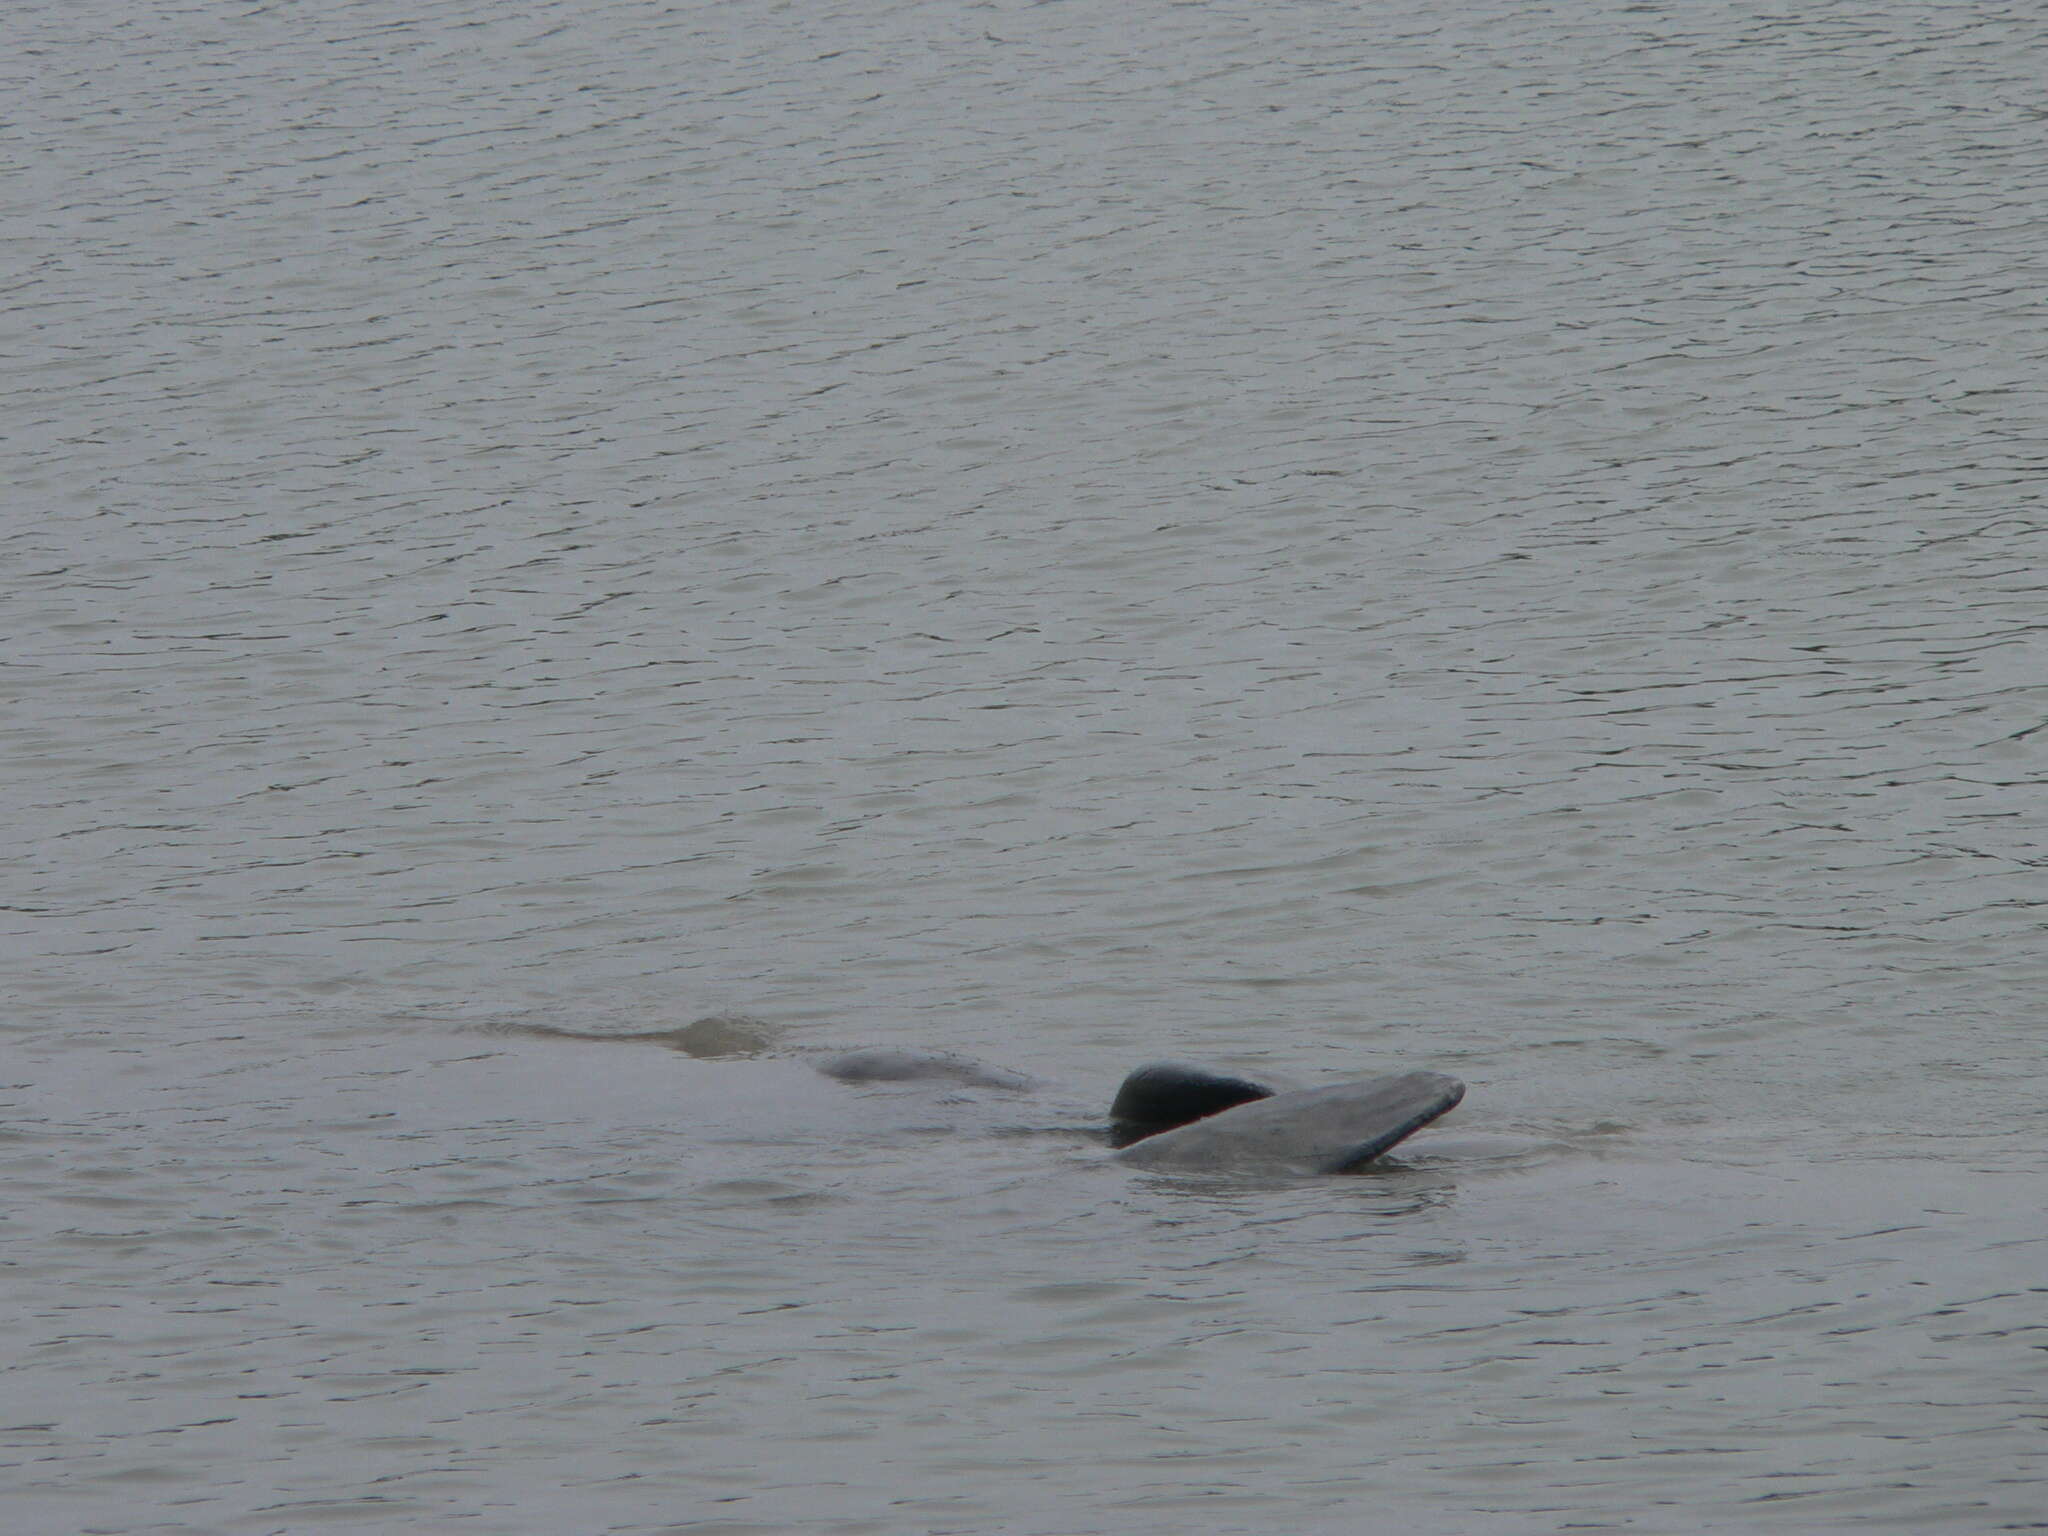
x=1486, y=537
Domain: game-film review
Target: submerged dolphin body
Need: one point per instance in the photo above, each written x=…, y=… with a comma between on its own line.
x=893, y=1064
x=1338, y=1129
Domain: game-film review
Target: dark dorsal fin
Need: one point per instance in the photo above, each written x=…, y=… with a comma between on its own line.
x=1163, y=1094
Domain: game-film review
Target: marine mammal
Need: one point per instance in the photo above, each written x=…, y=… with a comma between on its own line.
x=1338, y=1129
x=1171, y=1115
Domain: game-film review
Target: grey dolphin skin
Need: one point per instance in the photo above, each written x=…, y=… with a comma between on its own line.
x=1338, y=1129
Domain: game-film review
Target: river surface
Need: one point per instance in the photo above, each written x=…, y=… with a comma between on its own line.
x=1497, y=538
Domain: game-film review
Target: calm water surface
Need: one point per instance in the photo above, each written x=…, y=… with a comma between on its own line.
x=1327, y=538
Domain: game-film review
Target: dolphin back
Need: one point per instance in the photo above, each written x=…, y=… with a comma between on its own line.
x=1338, y=1129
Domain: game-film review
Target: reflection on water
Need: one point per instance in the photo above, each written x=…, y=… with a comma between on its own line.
x=1496, y=539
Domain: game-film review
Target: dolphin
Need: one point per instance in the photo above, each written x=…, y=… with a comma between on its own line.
x=1338, y=1129
x=1173, y=1116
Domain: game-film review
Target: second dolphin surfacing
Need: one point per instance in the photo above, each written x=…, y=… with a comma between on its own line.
x=1338, y=1129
